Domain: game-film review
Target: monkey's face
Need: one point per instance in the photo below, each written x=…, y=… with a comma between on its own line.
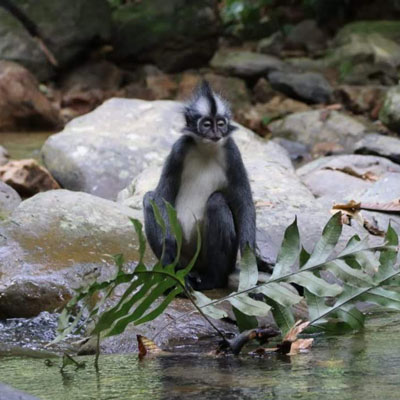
x=213, y=128
x=208, y=115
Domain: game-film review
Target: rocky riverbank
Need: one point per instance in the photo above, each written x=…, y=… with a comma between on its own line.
x=319, y=125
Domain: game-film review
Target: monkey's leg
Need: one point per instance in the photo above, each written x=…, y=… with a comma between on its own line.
x=153, y=230
x=219, y=245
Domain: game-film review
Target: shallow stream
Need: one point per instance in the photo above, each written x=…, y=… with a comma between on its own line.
x=351, y=367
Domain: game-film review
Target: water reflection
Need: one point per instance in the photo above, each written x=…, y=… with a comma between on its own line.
x=362, y=366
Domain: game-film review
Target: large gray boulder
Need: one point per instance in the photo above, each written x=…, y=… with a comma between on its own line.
x=311, y=127
x=68, y=26
x=55, y=242
x=101, y=152
x=174, y=34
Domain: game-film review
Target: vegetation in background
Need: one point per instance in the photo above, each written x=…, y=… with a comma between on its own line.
x=358, y=273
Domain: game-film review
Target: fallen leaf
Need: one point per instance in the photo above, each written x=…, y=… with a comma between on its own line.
x=297, y=328
x=391, y=206
x=367, y=176
x=300, y=345
x=147, y=347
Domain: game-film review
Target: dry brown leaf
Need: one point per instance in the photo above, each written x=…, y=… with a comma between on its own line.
x=391, y=206
x=264, y=204
x=147, y=347
x=300, y=345
x=367, y=176
x=298, y=327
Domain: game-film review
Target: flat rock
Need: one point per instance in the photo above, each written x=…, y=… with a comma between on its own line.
x=310, y=87
x=245, y=63
x=380, y=145
x=57, y=241
x=9, y=200
x=365, y=179
x=318, y=126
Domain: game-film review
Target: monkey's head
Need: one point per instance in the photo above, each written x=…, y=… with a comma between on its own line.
x=208, y=115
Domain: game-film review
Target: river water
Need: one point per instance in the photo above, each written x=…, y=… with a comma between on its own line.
x=351, y=367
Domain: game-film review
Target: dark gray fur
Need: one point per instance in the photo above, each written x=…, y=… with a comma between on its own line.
x=229, y=221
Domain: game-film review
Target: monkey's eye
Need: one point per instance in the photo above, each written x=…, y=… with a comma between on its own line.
x=221, y=122
x=206, y=124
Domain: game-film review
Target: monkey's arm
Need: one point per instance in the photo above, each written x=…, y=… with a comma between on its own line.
x=168, y=188
x=240, y=198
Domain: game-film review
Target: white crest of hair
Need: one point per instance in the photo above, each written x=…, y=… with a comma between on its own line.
x=203, y=174
x=202, y=106
x=222, y=106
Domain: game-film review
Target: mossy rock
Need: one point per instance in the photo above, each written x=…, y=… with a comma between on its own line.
x=388, y=29
x=174, y=34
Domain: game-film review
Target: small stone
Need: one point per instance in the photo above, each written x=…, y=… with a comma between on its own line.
x=27, y=177
x=263, y=92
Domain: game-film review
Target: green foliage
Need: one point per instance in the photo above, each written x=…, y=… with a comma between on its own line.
x=361, y=272
x=142, y=300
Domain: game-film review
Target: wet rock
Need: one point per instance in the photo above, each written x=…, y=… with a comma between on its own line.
x=245, y=64
x=55, y=242
x=272, y=44
x=27, y=177
x=259, y=116
x=9, y=393
x=306, y=36
x=174, y=36
x=298, y=152
x=388, y=29
x=190, y=328
x=9, y=200
x=263, y=92
x=310, y=86
x=88, y=85
x=320, y=126
x=363, y=58
x=22, y=105
x=68, y=26
x=4, y=156
x=362, y=99
x=390, y=111
x=380, y=145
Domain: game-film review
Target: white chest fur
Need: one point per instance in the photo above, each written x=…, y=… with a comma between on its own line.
x=203, y=174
